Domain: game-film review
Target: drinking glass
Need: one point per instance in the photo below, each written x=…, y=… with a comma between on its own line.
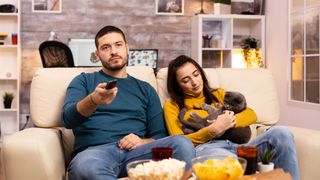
x=249, y=153
x=160, y=153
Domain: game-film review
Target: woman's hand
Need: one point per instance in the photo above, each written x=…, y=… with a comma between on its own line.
x=222, y=123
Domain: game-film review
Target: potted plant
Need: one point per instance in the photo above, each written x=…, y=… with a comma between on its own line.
x=7, y=99
x=251, y=52
x=266, y=160
x=222, y=6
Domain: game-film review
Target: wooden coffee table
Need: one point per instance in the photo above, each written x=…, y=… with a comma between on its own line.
x=277, y=174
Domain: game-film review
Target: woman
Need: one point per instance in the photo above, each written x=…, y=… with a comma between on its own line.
x=188, y=88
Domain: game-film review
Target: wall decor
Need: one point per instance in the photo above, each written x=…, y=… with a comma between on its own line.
x=258, y=7
x=47, y=6
x=242, y=6
x=169, y=7
x=143, y=57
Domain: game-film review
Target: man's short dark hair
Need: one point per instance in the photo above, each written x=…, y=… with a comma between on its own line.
x=108, y=29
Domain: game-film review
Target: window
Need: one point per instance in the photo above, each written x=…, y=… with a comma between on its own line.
x=304, y=52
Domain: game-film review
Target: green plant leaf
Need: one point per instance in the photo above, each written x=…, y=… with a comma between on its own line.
x=8, y=96
x=267, y=156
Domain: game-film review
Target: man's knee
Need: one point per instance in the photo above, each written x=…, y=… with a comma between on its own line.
x=87, y=167
x=182, y=144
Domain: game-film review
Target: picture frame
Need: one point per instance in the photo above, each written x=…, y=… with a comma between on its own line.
x=46, y=6
x=169, y=7
x=242, y=7
x=143, y=57
x=251, y=7
x=258, y=6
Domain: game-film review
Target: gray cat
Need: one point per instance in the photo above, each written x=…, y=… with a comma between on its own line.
x=233, y=101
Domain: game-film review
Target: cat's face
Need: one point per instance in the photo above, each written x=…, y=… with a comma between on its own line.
x=234, y=101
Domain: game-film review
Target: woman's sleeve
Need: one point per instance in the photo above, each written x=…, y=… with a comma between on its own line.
x=246, y=117
x=171, y=111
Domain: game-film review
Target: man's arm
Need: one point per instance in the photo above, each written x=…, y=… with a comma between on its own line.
x=78, y=105
x=100, y=96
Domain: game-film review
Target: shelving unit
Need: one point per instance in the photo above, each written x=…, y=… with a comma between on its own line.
x=10, y=68
x=225, y=33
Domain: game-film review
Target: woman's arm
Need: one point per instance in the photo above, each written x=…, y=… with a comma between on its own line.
x=246, y=118
x=171, y=111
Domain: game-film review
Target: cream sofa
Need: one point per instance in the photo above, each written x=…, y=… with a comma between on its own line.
x=43, y=152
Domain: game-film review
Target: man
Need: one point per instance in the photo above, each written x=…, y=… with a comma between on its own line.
x=113, y=127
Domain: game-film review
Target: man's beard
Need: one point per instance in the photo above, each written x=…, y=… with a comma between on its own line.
x=117, y=66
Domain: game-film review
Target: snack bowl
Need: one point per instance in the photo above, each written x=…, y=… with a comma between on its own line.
x=160, y=170
x=218, y=167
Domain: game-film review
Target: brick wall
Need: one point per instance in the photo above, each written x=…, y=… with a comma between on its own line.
x=82, y=19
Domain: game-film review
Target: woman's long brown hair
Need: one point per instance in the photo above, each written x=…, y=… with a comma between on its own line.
x=174, y=90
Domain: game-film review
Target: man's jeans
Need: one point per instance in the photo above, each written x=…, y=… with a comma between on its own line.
x=107, y=161
x=277, y=137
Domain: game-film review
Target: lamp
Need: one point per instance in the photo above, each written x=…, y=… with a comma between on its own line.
x=201, y=10
x=237, y=59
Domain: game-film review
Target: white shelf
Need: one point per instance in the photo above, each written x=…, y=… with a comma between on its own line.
x=8, y=46
x=226, y=32
x=10, y=69
x=9, y=14
x=8, y=110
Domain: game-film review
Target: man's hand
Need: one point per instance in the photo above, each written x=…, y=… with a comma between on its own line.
x=103, y=96
x=100, y=96
x=132, y=141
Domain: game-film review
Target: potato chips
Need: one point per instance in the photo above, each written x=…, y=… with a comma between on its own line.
x=212, y=169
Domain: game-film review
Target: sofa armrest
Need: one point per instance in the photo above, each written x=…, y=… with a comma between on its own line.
x=308, y=148
x=34, y=153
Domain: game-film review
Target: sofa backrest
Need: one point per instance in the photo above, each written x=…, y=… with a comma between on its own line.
x=257, y=85
x=49, y=86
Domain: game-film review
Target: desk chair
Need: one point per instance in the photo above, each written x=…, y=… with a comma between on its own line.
x=55, y=54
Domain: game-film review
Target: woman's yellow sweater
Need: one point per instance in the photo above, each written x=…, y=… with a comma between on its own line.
x=193, y=104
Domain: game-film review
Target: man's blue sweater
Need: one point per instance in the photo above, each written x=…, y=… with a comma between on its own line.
x=136, y=109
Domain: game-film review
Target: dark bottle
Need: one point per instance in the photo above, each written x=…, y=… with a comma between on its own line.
x=250, y=153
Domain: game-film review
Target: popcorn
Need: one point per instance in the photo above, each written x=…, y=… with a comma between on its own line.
x=167, y=169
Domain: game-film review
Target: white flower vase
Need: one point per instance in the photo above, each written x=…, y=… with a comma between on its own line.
x=220, y=8
x=265, y=167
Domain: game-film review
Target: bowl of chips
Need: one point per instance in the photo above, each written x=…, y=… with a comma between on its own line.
x=209, y=167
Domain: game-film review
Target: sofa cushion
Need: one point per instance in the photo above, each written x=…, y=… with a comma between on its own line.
x=258, y=86
x=49, y=86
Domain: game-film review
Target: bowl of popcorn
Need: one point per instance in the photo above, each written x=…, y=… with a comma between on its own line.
x=159, y=170
x=209, y=167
